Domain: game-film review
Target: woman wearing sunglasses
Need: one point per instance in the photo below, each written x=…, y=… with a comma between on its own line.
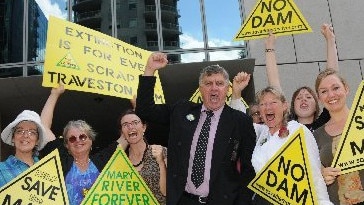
x=80, y=168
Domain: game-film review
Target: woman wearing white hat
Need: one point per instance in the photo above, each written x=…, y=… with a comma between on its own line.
x=27, y=134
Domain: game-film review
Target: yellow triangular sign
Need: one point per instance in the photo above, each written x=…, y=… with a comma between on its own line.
x=196, y=97
x=287, y=177
x=281, y=16
x=42, y=183
x=68, y=62
x=349, y=155
x=119, y=183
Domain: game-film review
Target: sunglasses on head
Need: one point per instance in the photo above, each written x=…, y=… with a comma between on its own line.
x=81, y=137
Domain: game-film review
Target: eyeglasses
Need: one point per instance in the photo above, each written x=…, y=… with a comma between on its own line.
x=132, y=123
x=29, y=133
x=81, y=137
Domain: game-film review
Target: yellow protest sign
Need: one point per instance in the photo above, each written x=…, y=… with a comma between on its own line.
x=196, y=97
x=287, y=177
x=86, y=60
x=119, y=183
x=349, y=155
x=281, y=16
x=42, y=183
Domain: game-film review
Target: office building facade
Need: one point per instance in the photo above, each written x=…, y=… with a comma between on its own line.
x=139, y=23
x=19, y=42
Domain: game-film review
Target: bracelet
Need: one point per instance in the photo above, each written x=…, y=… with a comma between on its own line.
x=269, y=50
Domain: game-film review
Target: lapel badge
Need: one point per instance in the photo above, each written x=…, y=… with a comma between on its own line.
x=190, y=117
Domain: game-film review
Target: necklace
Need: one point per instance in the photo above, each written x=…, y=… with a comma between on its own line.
x=144, y=153
x=82, y=163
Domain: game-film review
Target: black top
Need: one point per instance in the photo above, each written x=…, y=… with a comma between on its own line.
x=321, y=120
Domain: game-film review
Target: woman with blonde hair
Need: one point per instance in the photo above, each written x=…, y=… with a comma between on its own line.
x=275, y=132
x=332, y=91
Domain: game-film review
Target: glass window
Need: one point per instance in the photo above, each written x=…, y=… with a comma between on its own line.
x=189, y=22
x=37, y=31
x=11, y=72
x=124, y=38
x=133, y=23
x=214, y=56
x=225, y=55
x=193, y=57
x=134, y=40
x=16, y=44
x=11, y=35
x=224, y=24
x=35, y=70
x=132, y=6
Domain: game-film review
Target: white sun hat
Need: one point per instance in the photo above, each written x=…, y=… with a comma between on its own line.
x=26, y=115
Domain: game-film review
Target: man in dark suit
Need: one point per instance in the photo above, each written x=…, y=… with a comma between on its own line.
x=231, y=137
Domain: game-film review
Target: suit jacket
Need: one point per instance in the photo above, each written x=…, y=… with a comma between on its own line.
x=235, y=139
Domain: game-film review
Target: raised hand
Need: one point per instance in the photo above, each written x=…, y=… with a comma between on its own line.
x=157, y=152
x=270, y=41
x=155, y=61
x=327, y=31
x=331, y=51
x=123, y=143
x=240, y=81
x=58, y=90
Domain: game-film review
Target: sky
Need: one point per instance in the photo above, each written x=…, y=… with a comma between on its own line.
x=53, y=7
x=222, y=17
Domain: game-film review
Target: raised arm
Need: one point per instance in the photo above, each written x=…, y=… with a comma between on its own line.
x=271, y=62
x=240, y=81
x=155, y=62
x=133, y=102
x=48, y=110
x=331, y=50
